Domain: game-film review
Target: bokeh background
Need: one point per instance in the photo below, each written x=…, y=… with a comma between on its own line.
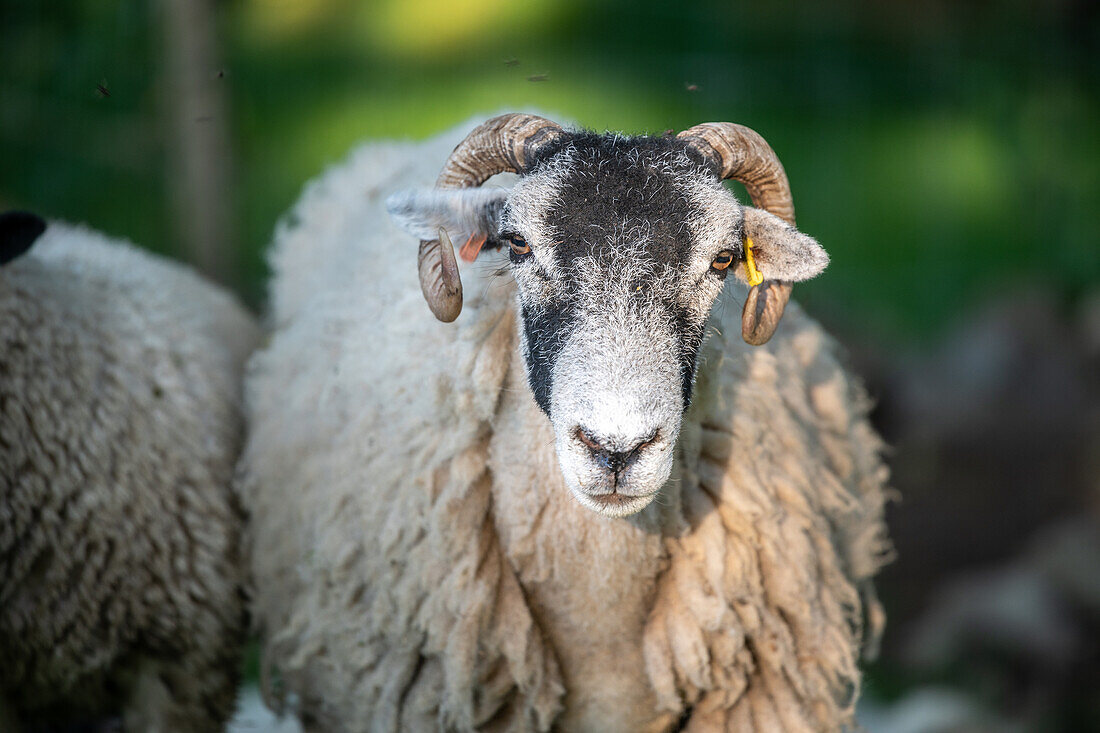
x=946, y=153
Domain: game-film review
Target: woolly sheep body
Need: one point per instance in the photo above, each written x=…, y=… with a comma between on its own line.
x=120, y=422
x=419, y=564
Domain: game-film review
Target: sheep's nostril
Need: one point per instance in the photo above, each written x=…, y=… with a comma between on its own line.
x=605, y=453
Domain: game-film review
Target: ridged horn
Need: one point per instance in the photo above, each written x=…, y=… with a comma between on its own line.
x=504, y=143
x=439, y=280
x=743, y=155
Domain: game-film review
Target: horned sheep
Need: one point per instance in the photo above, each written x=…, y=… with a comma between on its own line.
x=588, y=503
x=121, y=585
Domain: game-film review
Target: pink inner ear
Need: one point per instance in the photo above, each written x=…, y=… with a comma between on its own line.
x=472, y=248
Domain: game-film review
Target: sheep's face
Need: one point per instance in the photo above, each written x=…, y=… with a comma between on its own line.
x=619, y=248
x=611, y=245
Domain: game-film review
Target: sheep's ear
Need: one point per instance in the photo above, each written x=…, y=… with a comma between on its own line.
x=781, y=252
x=18, y=231
x=463, y=212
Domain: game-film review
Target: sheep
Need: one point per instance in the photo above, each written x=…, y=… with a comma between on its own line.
x=567, y=509
x=121, y=582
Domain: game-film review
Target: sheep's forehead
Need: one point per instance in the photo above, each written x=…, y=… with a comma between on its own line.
x=611, y=203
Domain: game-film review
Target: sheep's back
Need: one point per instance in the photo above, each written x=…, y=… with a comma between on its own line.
x=119, y=427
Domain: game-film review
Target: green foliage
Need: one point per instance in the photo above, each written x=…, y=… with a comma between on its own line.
x=940, y=151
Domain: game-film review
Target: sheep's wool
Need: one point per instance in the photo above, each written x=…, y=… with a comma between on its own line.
x=419, y=563
x=120, y=423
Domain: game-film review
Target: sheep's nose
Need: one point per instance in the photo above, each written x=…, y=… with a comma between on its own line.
x=614, y=455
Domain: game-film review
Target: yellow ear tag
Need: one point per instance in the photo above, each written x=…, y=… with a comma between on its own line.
x=755, y=276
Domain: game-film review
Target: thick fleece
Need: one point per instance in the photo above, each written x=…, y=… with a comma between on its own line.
x=120, y=423
x=420, y=564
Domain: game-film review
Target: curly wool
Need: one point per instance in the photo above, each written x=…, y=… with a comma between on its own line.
x=419, y=564
x=120, y=422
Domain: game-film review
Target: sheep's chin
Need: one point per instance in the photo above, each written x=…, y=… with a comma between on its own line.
x=620, y=505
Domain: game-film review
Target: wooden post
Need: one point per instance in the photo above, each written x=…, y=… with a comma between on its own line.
x=198, y=141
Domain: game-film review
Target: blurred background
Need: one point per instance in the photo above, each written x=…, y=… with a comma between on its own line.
x=947, y=154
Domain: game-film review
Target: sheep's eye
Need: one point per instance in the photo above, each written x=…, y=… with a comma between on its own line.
x=518, y=244
x=723, y=260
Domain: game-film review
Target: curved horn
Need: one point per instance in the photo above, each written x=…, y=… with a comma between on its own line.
x=743, y=155
x=439, y=280
x=504, y=143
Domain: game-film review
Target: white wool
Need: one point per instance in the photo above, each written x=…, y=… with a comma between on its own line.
x=419, y=562
x=120, y=425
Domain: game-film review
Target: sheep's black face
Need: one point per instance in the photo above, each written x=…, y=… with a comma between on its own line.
x=613, y=246
x=619, y=247
x=18, y=231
